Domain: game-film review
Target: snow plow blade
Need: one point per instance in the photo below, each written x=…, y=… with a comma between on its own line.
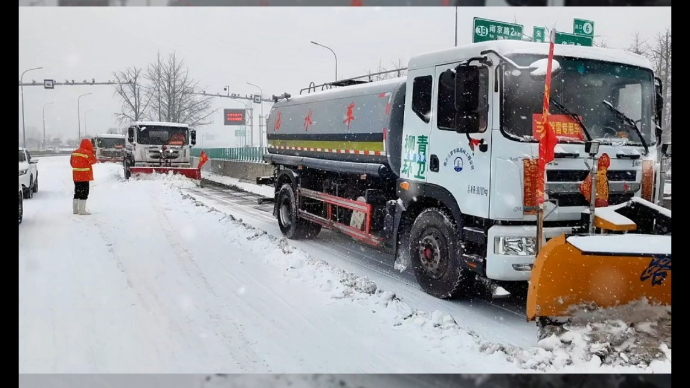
x=191, y=173
x=604, y=270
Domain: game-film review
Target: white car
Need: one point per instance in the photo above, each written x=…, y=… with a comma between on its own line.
x=21, y=202
x=28, y=173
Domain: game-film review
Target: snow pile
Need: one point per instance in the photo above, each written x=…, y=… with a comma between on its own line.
x=637, y=333
x=440, y=331
x=266, y=191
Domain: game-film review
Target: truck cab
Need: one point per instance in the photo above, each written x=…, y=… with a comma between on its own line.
x=109, y=147
x=472, y=123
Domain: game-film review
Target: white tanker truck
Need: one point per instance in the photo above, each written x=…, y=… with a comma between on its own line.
x=439, y=166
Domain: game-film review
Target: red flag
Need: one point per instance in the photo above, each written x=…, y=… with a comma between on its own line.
x=547, y=138
x=203, y=158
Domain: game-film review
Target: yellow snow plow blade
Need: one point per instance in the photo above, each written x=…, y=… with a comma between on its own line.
x=602, y=270
x=565, y=276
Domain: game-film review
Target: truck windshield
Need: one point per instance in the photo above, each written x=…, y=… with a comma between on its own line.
x=22, y=156
x=581, y=86
x=106, y=142
x=155, y=135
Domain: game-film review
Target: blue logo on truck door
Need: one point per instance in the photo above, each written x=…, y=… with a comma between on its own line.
x=458, y=164
x=465, y=157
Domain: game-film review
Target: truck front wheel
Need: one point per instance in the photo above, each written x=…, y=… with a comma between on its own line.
x=290, y=224
x=434, y=254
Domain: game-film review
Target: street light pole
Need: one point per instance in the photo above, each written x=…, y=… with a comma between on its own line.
x=79, y=115
x=85, y=133
x=44, y=124
x=261, y=117
x=21, y=81
x=336, y=57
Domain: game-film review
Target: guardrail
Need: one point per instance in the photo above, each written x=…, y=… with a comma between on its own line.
x=240, y=154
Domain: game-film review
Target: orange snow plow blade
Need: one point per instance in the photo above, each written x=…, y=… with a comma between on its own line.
x=191, y=173
x=604, y=270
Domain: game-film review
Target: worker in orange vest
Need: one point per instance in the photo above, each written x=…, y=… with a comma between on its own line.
x=82, y=160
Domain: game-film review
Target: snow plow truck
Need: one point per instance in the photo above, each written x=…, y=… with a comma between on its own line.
x=109, y=147
x=440, y=168
x=161, y=148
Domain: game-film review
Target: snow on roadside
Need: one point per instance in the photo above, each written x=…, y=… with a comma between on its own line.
x=441, y=330
x=266, y=191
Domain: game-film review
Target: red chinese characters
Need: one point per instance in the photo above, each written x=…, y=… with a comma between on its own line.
x=307, y=120
x=350, y=114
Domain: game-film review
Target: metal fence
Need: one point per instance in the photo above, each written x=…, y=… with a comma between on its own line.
x=240, y=154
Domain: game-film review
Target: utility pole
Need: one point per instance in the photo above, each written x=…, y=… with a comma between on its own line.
x=456, y=26
x=79, y=115
x=261, y=116
x=336, y=57
x=44, y=124
x=21, y=81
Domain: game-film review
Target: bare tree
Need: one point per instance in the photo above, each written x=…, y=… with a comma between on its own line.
x=600, y=43
x=638, y=45
x=175, y=94
x=135, y=101
x=398, y=64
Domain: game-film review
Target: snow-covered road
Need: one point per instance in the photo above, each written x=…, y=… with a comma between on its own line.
x=163, y=277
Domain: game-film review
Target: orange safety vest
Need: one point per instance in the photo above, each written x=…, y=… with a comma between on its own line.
x=81, y=160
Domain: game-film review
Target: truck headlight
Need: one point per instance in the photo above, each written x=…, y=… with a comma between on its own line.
x=515, y=246
x=22, y=172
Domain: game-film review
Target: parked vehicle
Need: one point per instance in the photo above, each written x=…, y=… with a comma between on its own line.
x=28, y=173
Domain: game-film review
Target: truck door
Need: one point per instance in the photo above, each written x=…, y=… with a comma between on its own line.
x=460, y=161
x=417, y=127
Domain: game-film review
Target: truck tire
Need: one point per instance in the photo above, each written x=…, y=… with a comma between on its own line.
x=28, y=191
x=21, y=207
x=434, y=254
x=290, y=224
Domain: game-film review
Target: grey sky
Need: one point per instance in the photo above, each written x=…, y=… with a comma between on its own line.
x=263, y=45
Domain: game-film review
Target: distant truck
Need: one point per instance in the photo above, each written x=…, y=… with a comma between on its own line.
x=440, y=166
x=160, y=147
x=109, y=147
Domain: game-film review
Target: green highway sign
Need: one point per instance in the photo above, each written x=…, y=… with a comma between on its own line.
x=539, y=34
x=240, y=132
x=583, y=27
x=485, y=30
x=572, y=39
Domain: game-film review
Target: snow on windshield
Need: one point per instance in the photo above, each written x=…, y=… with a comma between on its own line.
x=581, y=86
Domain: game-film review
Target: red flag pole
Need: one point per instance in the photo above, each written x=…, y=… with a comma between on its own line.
x=545, y=154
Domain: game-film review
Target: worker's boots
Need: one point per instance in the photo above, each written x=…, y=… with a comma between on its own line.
x=75, y=206
x=82, y=208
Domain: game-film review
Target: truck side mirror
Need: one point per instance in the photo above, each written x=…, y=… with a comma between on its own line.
x=193, y=137
x=659, y=100
x=130, y=135
x=467, y=99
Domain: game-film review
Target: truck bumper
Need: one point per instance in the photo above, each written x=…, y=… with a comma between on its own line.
x=511, y=250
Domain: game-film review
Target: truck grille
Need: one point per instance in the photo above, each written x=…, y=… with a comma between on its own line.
x=581, y=175
x=577, y=199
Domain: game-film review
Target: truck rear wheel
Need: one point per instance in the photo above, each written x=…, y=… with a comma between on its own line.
x=290, y=224
x=434, y=254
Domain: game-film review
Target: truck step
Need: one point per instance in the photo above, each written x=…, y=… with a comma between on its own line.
x=265, y=180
